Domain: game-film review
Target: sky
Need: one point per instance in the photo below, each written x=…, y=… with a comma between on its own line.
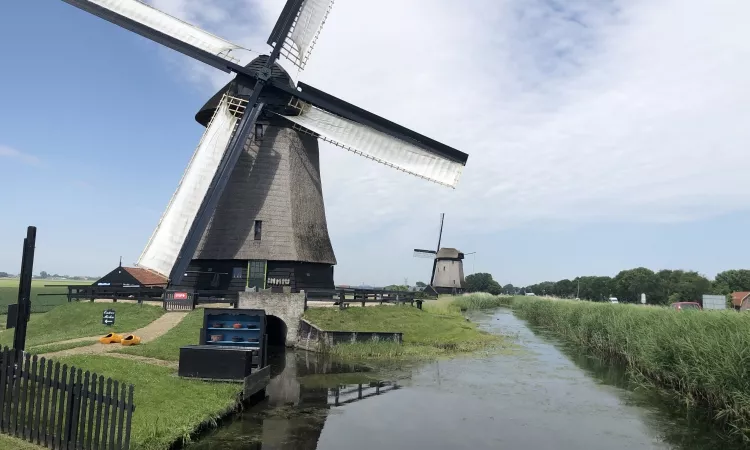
x=602, y=135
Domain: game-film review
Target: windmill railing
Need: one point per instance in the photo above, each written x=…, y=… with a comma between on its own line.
x=344, y=296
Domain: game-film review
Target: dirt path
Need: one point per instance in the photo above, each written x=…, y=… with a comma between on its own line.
x=148, y=333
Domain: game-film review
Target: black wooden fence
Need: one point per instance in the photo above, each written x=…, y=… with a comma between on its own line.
x=60, y=407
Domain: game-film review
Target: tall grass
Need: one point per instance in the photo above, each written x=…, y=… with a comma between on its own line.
x=467, y=302
x=702, y=356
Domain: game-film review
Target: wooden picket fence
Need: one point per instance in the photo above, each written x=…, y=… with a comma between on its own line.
x=61, y=407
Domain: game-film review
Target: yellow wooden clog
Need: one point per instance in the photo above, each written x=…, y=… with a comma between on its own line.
x=110, y=338
x=130, y=339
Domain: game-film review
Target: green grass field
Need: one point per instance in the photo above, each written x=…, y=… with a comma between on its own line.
x=39, y=303
x=438, y=330
x=76, y=320
x=168, y=408
x=167, y=347
x=702, y=357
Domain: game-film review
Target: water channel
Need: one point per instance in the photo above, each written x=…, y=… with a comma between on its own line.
x=541, y=396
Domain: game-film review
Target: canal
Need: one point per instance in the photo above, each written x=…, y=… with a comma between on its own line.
x=543, y=395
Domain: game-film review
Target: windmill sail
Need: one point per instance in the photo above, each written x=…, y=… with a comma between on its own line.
x=167, y=30
x=379, y=146
x=309, y=17
x=372, y=136
x=162, y=249
x=420, y=253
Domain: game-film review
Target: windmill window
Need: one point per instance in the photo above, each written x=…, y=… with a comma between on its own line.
x=258, y=227
x=258, y=131
x=237, y=272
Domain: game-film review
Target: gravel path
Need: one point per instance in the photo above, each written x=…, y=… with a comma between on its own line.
x=148, y=333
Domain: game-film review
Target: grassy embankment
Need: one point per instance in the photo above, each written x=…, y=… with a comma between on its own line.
x=79, y=320
x=169, y=409
x=701, y=357
x=438, y=330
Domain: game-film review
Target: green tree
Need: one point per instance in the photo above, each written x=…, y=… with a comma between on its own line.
x=482, y=282
x=731, y=281
x=565, y=289
x=396, y=287
x=420, y=284
x=630, y=284
x=43, y=274
x=509, y=289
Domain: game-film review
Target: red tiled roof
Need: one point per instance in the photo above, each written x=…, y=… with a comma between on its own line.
x=145, y=276
x=737, y=297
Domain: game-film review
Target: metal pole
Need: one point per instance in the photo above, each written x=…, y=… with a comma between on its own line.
x=24, y=290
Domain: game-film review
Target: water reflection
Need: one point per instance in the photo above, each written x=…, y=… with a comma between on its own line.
x=683, y=428
x=546, y=396
x=304, y=388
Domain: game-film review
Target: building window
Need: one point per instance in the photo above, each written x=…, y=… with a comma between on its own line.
x=258, y=131
x=237, y=272
x=258, y=226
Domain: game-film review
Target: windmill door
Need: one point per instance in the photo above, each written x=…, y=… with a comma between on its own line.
x=256, y=274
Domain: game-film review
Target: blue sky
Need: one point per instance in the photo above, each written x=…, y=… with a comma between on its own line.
x=601, y=136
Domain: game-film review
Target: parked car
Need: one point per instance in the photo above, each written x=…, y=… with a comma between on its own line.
x=613, y=300
x=679, y=306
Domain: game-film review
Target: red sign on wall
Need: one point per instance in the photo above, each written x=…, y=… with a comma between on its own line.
x=180, y=295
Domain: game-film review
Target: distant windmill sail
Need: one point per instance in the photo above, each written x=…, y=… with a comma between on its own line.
x=419, y=253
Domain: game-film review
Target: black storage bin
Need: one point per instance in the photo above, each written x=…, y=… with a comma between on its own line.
x=217, y=362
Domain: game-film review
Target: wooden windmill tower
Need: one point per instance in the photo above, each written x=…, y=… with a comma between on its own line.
x=447, y=268
x=249, y=210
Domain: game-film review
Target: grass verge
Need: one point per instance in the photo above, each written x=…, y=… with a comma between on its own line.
x=438, y=330
x=701, y=356
x=11, y=443
x=75, y=320
x=168, y=408
x=167, y=346
x=54, y=347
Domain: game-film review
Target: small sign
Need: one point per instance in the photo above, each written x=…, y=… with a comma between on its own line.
x=108, y=317
x=180, y=296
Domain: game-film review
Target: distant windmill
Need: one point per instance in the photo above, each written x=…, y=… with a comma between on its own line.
x=447, y=267
x=249, y=211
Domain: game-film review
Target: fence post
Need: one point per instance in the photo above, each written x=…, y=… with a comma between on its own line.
x=341, y=300
x=24, y=289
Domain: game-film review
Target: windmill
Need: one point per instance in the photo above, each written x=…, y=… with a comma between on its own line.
x=447, y=267
x=249, y=211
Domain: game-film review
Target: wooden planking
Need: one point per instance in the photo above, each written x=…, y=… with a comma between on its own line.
x=62, y=409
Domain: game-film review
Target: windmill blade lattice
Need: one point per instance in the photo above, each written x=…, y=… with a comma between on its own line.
x=309, y=18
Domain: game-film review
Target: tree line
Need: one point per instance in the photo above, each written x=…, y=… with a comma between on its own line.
x=662, y=287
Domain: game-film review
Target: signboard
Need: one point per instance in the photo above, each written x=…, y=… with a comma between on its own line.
x=279, y=281
x=714, y=302
x=108, y=317
x=180, y=295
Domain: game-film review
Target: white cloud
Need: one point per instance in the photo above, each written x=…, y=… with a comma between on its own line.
x=627, y=110
x=12, y=153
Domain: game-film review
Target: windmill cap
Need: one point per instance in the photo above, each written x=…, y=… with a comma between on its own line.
x=278, y=73
x=449, y=253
